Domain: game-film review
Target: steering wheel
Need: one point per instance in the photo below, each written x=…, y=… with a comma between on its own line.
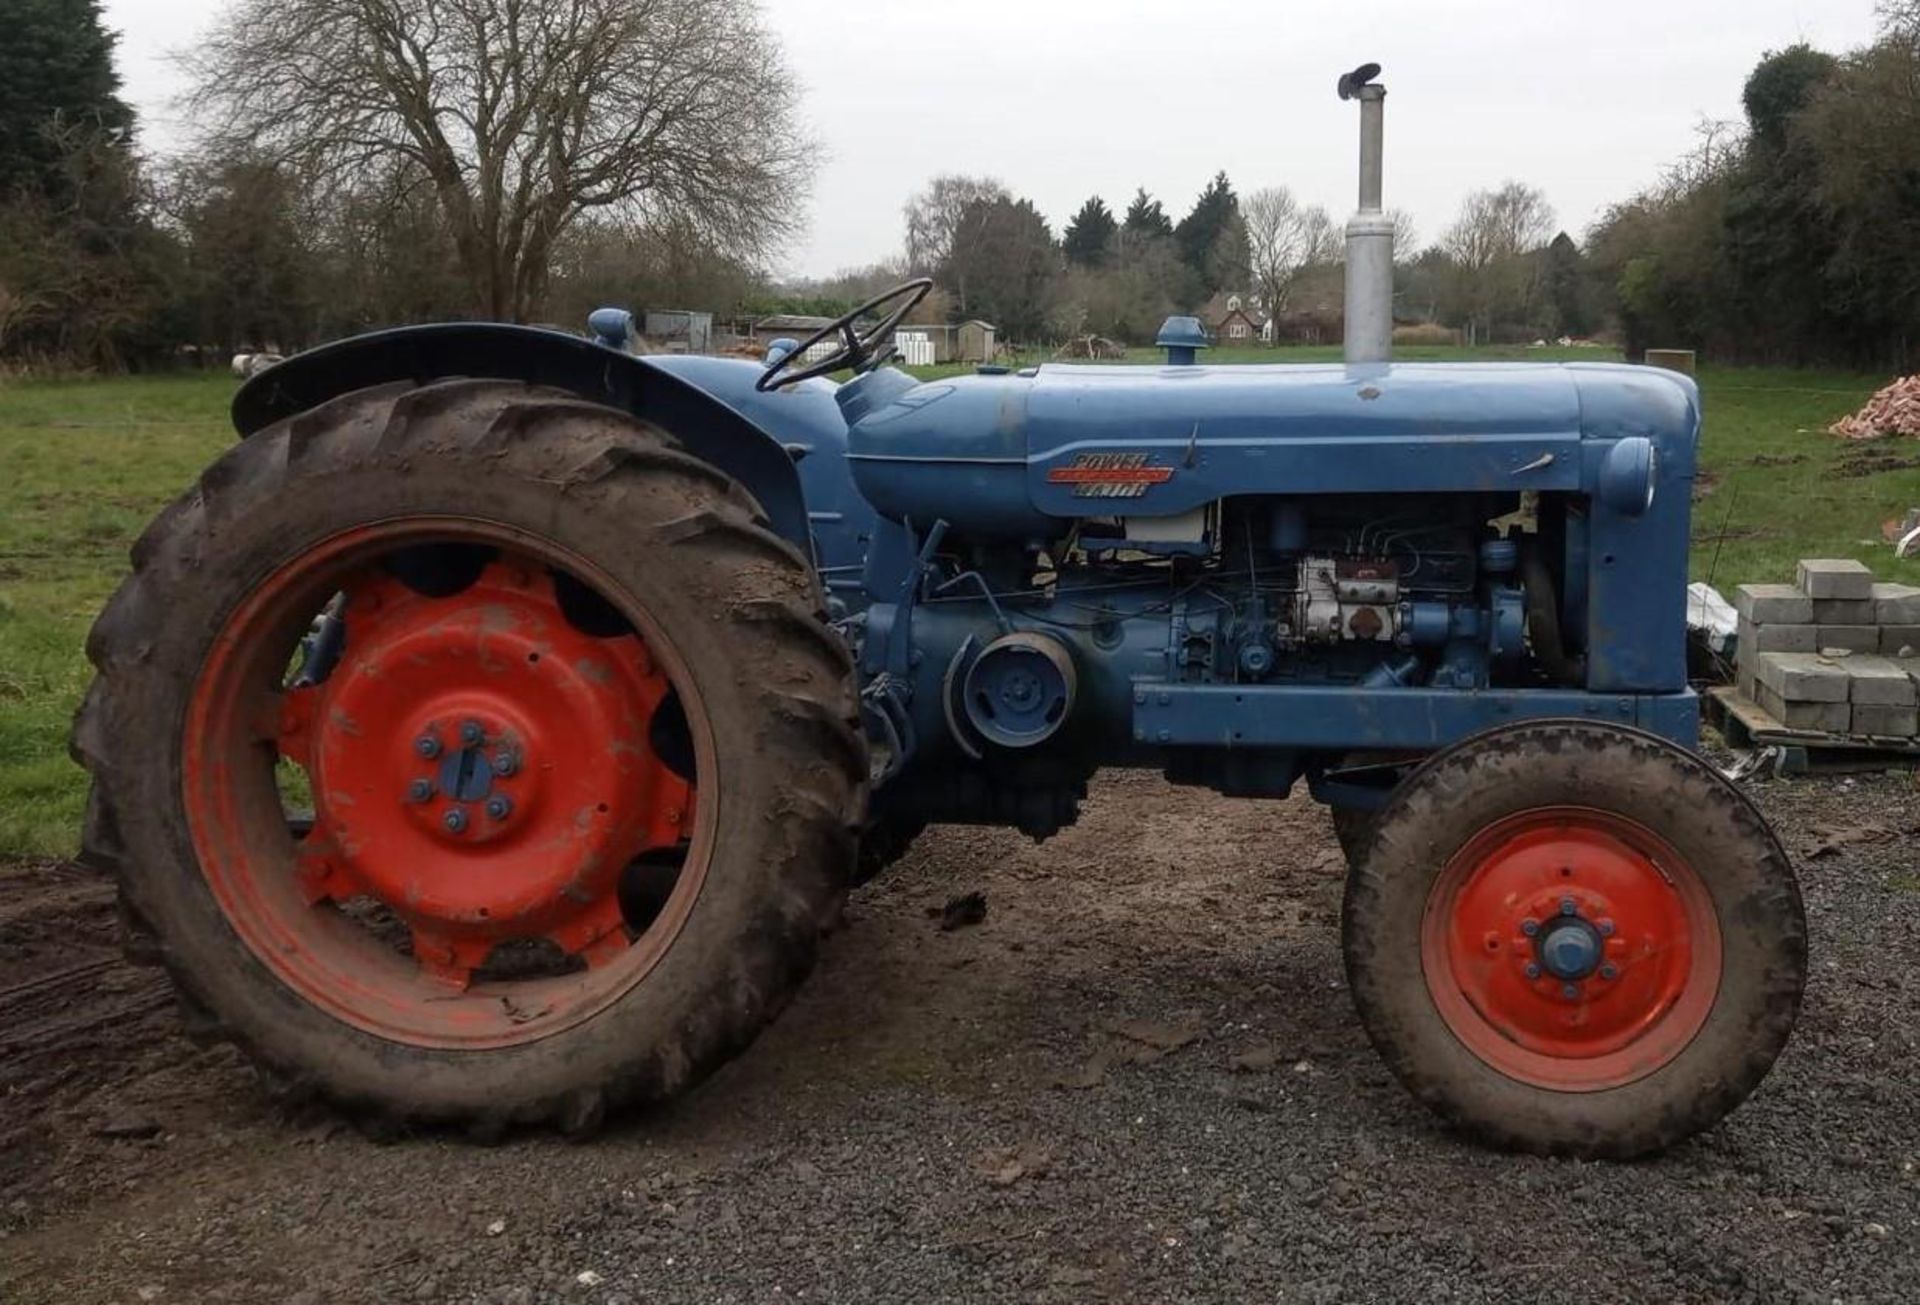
x=858, y=350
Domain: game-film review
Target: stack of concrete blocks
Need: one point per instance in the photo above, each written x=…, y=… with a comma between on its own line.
x=1835, y=651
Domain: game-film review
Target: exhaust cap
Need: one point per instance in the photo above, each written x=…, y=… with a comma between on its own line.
x=1351, y=83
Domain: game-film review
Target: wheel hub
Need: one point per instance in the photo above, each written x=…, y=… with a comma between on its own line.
x=483, y=769
x=475, y=780
x=1570, y=948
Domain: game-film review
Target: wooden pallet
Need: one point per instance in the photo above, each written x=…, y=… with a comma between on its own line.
x=1744, y=723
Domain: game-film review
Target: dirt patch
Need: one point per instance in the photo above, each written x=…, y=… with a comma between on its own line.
x=1776, y=459
x=1871, y=463
x=1704, y=483
x=92, y=1065
x=1137, y=1076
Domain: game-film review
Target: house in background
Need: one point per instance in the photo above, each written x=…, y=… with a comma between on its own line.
x=1234, y=318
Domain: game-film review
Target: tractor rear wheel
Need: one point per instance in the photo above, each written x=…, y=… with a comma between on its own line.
x=1575, y=939
x=545, y=812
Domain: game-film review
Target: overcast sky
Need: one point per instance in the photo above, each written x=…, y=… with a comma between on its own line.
x=1062, y=99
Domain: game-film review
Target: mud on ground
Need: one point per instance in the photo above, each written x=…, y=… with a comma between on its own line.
x=1138, y=1077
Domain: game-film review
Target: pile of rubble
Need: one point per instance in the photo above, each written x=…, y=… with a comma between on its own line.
x=1893, y=411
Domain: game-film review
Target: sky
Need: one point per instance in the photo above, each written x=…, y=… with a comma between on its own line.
x=1062, y=99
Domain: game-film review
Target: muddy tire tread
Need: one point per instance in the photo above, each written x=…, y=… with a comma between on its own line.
x=772, y=608
x=1678, y=790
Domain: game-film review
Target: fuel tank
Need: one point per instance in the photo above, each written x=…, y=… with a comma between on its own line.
x=1024, y=455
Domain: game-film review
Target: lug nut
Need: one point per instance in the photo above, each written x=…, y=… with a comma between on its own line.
x=471, y=732
x=427, y=746
x=419, y=791
x=1568, y=906
x=1533, y=970
x=506, y=763
x=1529, y=927
x=1606, y=928
x=455, y=821
x=1609, y=971
x=1571, y=991
x=499, y=806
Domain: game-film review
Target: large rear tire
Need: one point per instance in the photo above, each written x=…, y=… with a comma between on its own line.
x=1576, y=939
x=544, y=603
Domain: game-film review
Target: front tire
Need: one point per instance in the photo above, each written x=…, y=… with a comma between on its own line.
x=1575, y=939
x=569, y=647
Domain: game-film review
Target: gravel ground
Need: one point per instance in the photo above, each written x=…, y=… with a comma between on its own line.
x=1139, y=1077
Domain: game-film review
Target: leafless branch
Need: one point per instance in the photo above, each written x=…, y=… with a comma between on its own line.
x=523, y=115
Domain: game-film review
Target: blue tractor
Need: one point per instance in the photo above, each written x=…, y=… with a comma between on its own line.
x=487, y=738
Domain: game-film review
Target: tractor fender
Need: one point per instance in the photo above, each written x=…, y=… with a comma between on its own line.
x=708, y=404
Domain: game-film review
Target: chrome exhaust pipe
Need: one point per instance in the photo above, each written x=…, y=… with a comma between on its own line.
x=1370, y=230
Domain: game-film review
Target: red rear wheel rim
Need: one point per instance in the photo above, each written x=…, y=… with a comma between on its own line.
x=1571, y=949
x=482, y=773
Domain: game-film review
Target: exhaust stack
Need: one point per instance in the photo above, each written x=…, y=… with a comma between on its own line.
x=1370, y=231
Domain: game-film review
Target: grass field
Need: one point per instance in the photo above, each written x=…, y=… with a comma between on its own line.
x=88, y=462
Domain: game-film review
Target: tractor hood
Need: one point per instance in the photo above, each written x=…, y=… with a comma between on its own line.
x=1018, y=454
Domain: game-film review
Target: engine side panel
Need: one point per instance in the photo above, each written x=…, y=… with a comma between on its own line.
x=1145, y=454
x=1300, y=430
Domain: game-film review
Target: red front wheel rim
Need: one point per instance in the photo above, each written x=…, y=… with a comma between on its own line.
x=1571, y=949
x=486, y=771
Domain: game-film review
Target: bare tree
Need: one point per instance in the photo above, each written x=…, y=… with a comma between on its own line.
x=1326, y=239
x=1284, y=238
x=1490, y=245
x=1899, y=20
x=522, y=114
x=937, y=225
x=1718, y=146
x=1406, y=237
x=83, y=273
